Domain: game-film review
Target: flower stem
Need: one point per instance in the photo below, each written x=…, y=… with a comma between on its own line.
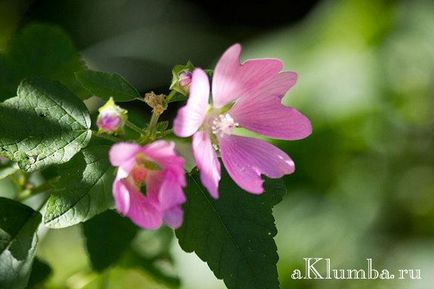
x=106, y=136
x=153, y=124
x=134, y=127
x=37, y=190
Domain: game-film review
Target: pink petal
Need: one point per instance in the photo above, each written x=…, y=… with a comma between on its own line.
x=173, y=217
x=171, y=193
x=123, y=155
x=207, y=162
x=191, y=116
x=121, y=196
x=142, y=211
x=232, y=80
x=263, y=112
x=153, y=186
x=247, y=158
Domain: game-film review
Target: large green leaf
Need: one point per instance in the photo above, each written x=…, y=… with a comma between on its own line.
x=18, y=226
x=84, y=189
x=108, y=235
x=106, y=85
x=44, y=50
x=45, y=124
x=233, y=234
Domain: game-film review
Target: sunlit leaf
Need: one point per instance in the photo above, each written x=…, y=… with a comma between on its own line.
x=45, y=124
x=18, y=226
x=84, y=189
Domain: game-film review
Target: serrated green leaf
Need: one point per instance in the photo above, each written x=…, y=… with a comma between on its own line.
x=84, y=189
x=45, y=124
x=46, y=51
x=18, y=226
x=233, y=234
x=106, y=85
x=108, y=235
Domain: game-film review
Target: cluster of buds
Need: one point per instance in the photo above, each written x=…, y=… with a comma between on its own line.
x=111, y=118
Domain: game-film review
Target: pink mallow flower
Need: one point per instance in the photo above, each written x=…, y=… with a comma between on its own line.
x=148, y=185
x=249, y=96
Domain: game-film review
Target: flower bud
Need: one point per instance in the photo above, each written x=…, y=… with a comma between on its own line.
x=181, y=78
x=111, y=118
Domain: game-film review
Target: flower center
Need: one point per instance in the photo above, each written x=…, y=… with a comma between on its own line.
x=142, y=170
x=223, y=124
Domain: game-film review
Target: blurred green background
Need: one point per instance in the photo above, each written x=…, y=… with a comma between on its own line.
x=364, y=184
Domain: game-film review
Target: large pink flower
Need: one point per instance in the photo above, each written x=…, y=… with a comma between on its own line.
x=148, y=184
x=247, y=95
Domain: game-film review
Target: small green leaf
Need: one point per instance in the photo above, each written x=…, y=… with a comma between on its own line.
x=18, y=226
x=106, y=85
x=108, y=235
x=233, y=234
x=84, y=189
x=162, y=125
x=45, y=124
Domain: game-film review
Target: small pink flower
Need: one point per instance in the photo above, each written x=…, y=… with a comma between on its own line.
x=148, y=185
x=249, y=96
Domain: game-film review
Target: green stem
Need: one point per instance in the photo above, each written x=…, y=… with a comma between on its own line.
x=134, y=127
x=37, y=190
x=153, y=125
x=106, y=136
x=170, y=95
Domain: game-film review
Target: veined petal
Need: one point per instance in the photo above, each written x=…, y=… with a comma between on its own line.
x=123, y=155
x=191, y=116
x=247, y=158
x=207, y=162
x=232, y=79
x=263, y=112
